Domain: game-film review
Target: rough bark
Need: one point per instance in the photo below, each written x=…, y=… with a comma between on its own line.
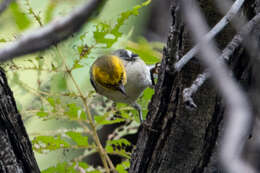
x=174, y=139
x=16, y=153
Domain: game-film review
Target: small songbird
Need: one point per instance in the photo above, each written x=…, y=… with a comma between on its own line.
x=122, y=77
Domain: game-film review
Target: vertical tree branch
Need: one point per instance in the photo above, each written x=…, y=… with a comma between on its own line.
x=173, y=139
x=16, y=151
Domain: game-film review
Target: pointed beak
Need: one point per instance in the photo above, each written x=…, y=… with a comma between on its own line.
x=121, y=88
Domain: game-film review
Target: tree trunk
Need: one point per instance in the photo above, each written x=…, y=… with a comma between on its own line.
x=173, y=138
x=16, y=151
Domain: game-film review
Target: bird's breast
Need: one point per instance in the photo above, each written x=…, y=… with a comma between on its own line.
x=138, y=79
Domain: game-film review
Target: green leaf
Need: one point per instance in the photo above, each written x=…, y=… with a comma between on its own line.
x=148, y=94
x=75, y=112
x=101, y=120
x=118, y=146
x=82, y=165
x=145, y=99
x=21, y=20
x=108, y=34
x=2, y=40
x=122, y=167
x=51, y=101
x=68, y=167
x=58, y=82
x=125, y=111
x=42, y=113
x=61, y=167
x=109, y=149
x=78, y=138
x=119, y=142
x=41, y=143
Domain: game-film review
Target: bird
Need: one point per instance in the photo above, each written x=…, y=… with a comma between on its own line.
x=121, y=76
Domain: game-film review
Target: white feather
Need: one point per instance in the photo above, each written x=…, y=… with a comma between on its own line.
x=138, y=79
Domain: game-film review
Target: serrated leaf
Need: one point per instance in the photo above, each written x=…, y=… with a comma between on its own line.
x=119, y=142
x=68, y=167
x=78, y=138
x=41, y=143
x=103, y=29
x=101, y=120
x=118, y=146
x=61, y=167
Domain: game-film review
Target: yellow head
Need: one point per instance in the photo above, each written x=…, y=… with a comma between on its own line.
x=109, y=72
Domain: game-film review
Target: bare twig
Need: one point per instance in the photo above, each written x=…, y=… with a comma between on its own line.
x=4, y=5
x=227, y=53
x=251, y=44
x=211, y=34
x=239, y=115
x=188, y=92
x=52, y=33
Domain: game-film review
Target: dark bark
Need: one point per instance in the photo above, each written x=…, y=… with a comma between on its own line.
x=174, y=139
x=16, y=153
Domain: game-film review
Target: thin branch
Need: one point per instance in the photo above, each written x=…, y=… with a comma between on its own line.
x=188, y=92
x=239, y=115
x=102, y=152
x=4, y=5
x=251, y=43
x=210, y=35
x=52, y=33
x=227, y=53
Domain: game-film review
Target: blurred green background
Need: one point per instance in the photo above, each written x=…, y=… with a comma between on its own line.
x=34, y=78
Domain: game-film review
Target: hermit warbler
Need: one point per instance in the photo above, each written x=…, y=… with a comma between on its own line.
x=122, y=77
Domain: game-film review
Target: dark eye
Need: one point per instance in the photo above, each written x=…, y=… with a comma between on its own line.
x=124, y=54
x=134, y=55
